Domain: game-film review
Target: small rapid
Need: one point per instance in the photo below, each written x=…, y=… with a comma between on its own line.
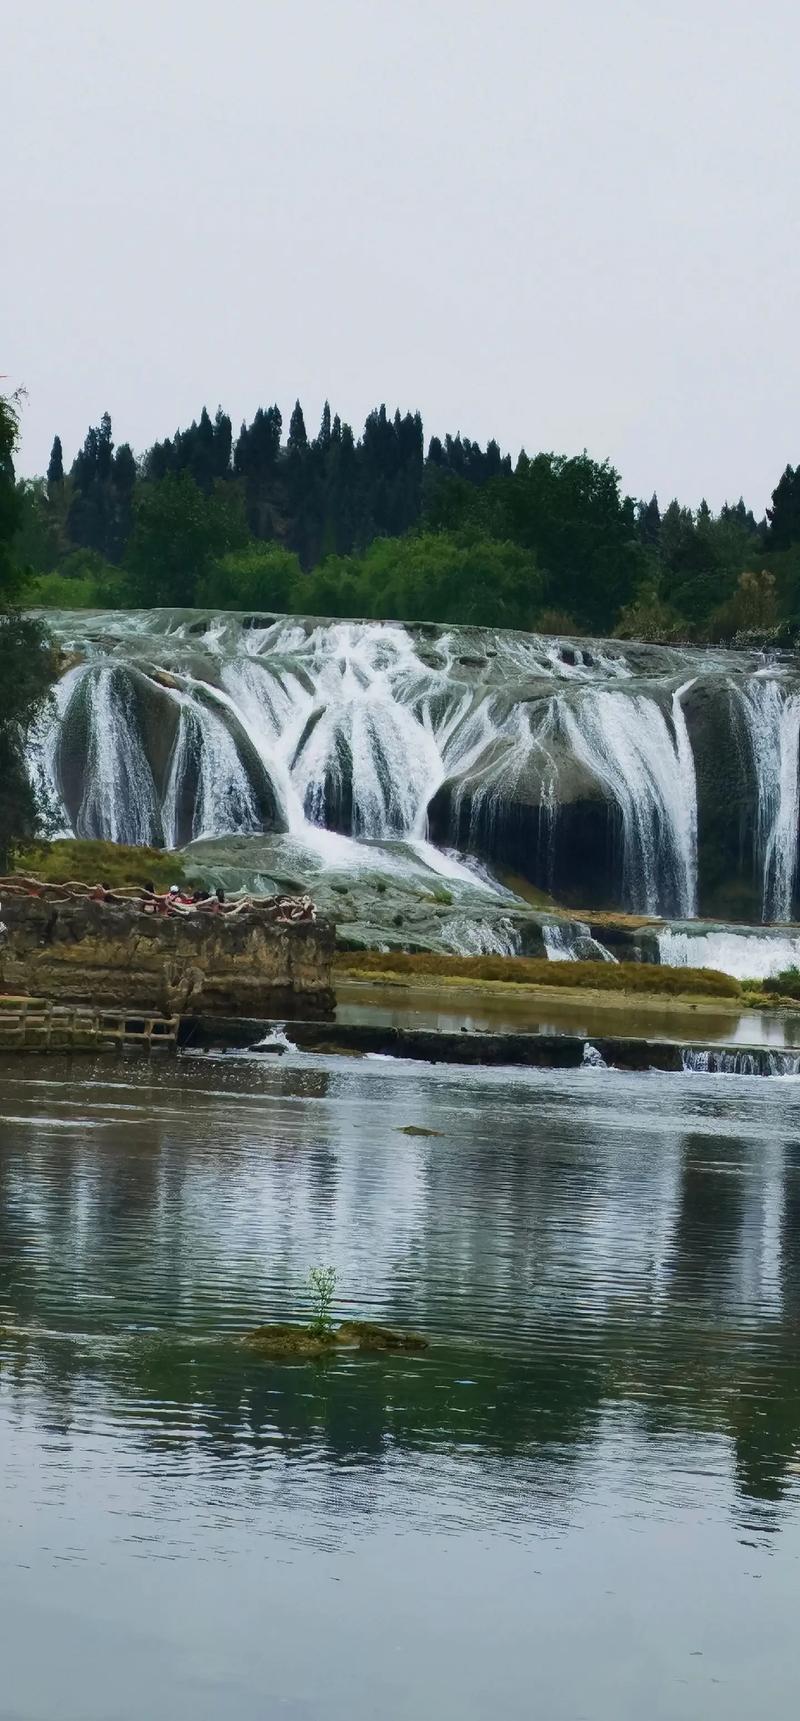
x=760, y=1062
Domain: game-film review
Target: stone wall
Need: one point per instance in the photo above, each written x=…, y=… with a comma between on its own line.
x=98, y=953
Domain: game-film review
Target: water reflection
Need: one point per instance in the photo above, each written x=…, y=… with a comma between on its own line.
x=597, y=1258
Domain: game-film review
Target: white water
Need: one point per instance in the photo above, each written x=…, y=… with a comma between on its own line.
x=571, y=941
x=647, y=766
x=361, y=723
x=748, y=956
x=224, y=802
x=119, y=801
x=772, y=718
x=759, y=1063
x=470, y=935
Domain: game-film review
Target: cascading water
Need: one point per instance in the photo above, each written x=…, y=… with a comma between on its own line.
x=119, y=802
x=627, y=742
x=468, y=935
x=748, y=956
x=772, y=718
x=175, y=726
x=759, y=1062
x=571, y=941
x=207, y=772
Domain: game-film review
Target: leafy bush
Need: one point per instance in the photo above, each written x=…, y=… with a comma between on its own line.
x=786, y=984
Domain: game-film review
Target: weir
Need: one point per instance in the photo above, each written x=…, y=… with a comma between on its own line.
x=651, y=779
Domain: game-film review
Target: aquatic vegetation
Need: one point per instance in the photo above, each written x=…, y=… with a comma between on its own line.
x=322, y=1285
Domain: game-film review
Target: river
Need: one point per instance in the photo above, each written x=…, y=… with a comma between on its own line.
x=582, y=1503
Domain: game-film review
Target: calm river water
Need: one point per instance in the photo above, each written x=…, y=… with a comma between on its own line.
x=582, y=1504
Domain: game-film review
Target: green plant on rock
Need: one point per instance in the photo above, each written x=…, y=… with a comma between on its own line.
x=322, y=1285
x=786, y=984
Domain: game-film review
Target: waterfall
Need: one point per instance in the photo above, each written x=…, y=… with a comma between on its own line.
x=748, y=956
x=528, y=748
x=772, y=719
x=42, y=749
x=571, y=941
x=206, y=769
x=625, y=740
x=119, y=802
x=468, y=935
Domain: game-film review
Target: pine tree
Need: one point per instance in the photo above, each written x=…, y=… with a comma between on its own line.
x=105, y=449
x=649, y=521
x=55, y=469
x=298, y=440
x=784, y=515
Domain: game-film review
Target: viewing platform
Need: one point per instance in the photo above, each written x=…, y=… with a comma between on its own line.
x=113, y=958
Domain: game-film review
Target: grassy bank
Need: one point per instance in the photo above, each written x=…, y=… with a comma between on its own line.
x=616, y=977
x=98, y=863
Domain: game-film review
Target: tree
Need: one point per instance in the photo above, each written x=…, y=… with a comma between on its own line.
x=258, y=577
x=648, y=519
x=784, y=515
x=432, y=577
x=569, y=513
x=55, y=469
x=27, y=661
x=178, y=531
x=298, y=440
x=10, y=499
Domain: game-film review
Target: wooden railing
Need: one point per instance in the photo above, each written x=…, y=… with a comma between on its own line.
x=34, y=1024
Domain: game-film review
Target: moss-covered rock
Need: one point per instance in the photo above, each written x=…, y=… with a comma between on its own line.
x=279, y=1340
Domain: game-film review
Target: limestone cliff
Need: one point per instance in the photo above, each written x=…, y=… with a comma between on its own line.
x=99, y=953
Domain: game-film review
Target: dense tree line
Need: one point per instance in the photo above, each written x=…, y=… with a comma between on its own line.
x=27, y=663
x=376, y=526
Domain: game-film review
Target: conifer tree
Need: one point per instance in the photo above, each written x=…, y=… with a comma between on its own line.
x=55, y=469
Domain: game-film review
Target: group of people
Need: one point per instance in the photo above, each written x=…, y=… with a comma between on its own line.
x=179, y=899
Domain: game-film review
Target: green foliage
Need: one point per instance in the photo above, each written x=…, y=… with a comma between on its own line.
x=784, y=515
x=642, y=977
x=178, y=531
x=39, y=538
x=10, y=503
x=369, y=526
x=83, y=581
x=257, y=577
x=432, y=576
x=786, y=984
x=28, y=665
x=753, y=608
x=568, y=513
x=322, y=1286
x=648, y=617
x=97, y=863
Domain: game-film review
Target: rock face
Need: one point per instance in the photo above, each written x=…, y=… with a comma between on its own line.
x=96, y=953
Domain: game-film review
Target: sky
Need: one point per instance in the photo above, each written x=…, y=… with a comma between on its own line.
x=566, y=226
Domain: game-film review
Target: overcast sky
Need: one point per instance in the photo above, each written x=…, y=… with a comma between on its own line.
x=565, y=225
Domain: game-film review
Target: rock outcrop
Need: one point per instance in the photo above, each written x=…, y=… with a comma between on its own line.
x=102, y=954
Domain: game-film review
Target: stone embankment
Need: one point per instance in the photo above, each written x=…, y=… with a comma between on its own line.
x=107, y=954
